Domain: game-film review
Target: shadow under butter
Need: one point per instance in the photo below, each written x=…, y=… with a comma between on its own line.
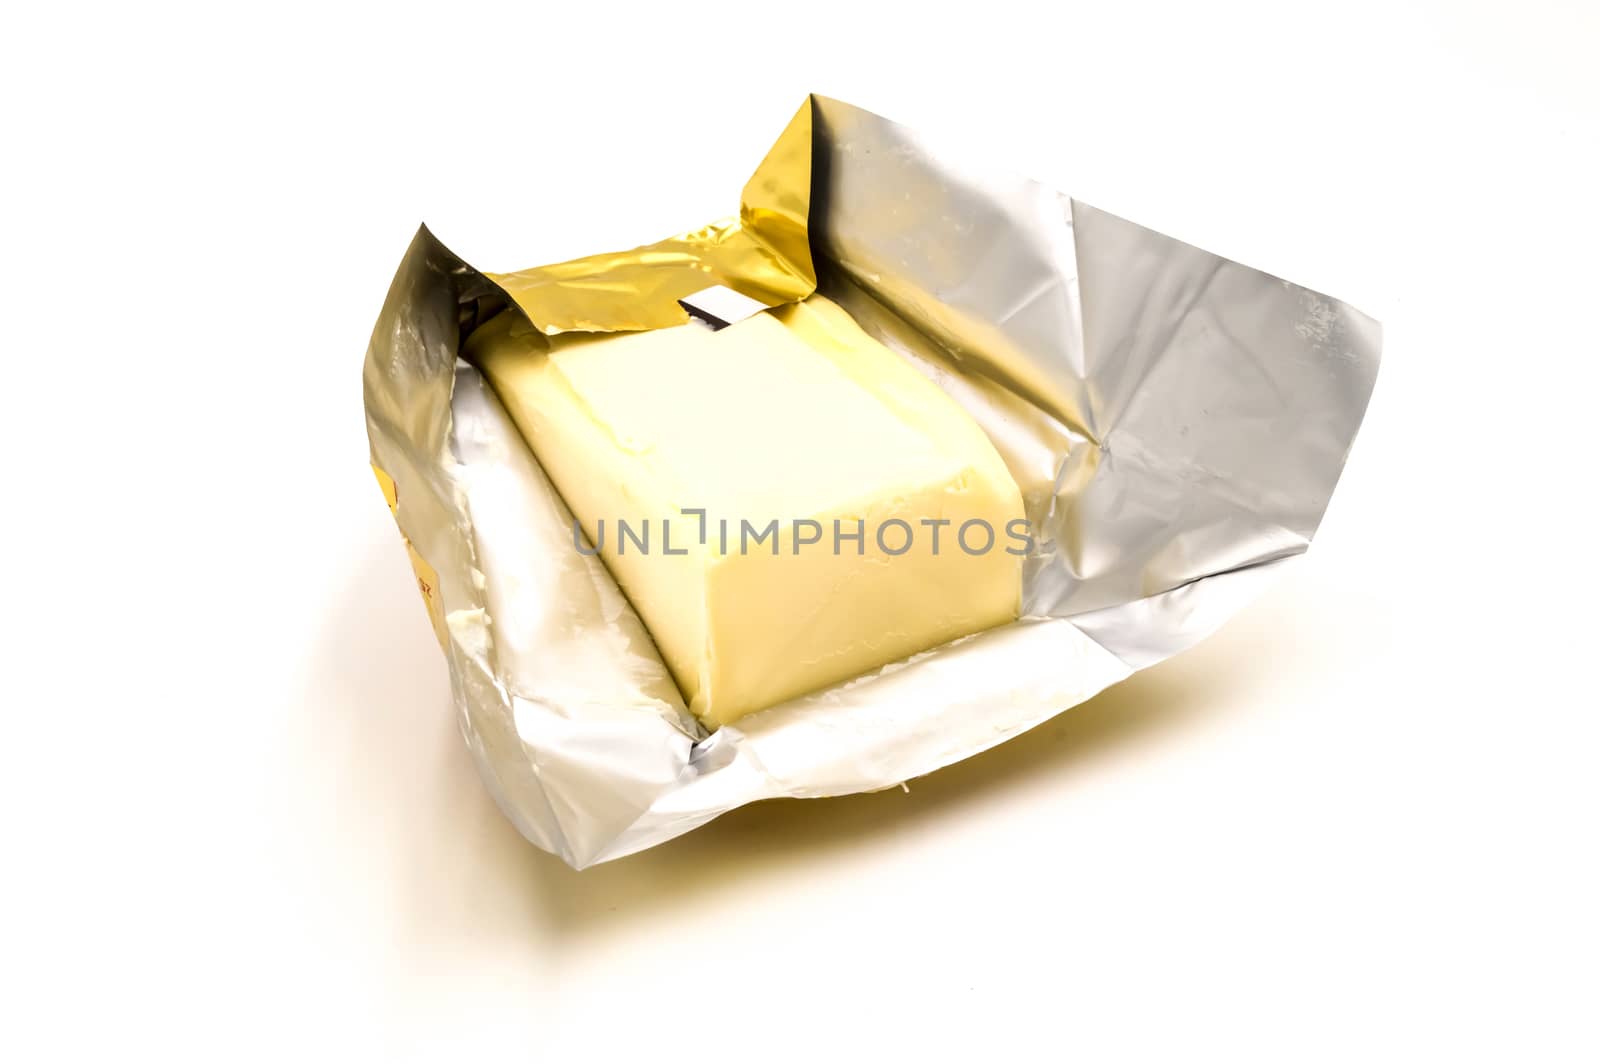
x=462, y=877
x=758, y=838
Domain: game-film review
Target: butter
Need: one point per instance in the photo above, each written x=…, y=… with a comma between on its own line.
x=786, y=502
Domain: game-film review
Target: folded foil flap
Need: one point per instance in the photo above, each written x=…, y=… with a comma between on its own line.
x=764, y=254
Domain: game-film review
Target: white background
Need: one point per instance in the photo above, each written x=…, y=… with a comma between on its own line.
x=1360, y=823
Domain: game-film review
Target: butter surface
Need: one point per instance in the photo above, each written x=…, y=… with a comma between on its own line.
x=794, y=417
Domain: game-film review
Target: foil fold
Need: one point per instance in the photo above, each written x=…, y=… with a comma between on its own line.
x=1176, y=422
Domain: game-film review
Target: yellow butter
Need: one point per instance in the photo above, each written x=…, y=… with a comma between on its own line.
x=792, y=422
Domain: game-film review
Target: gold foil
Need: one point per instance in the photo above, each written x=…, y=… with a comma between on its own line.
x=764, y=253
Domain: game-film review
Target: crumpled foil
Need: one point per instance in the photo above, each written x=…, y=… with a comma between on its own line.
x=1176, y=422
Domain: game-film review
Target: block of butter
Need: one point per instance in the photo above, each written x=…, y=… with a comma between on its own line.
x=786, y=502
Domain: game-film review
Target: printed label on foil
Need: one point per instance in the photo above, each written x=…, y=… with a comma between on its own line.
x=427, y=576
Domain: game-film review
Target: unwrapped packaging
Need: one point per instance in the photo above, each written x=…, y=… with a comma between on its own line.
x=1175, y=422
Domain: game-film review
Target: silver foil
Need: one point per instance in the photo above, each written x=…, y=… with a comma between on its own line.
x=1176, y=422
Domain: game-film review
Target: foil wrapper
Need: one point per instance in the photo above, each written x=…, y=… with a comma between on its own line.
x=1176, y=422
